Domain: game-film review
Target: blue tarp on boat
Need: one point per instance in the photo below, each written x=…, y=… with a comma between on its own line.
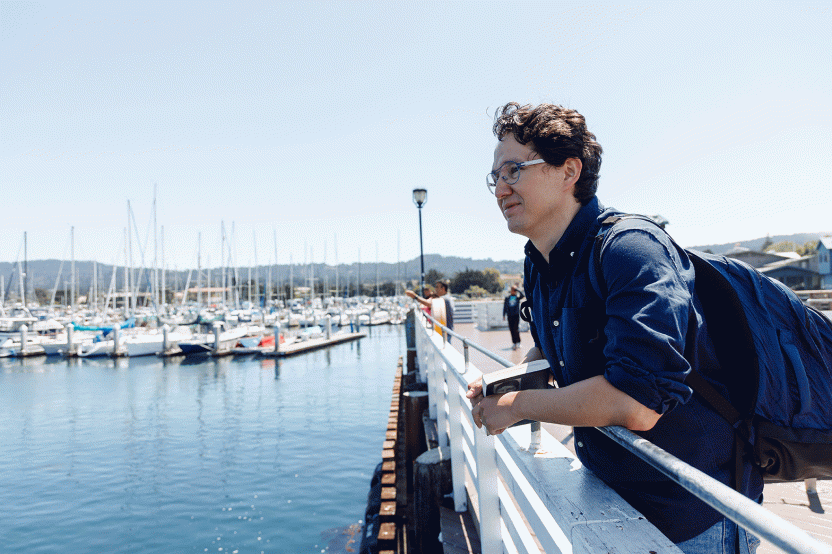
x=107, y=329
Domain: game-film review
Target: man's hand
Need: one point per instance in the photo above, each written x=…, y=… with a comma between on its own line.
x=494, y=412
x=474, y=393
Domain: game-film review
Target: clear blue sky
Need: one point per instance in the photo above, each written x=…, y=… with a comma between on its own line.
x=313, y=121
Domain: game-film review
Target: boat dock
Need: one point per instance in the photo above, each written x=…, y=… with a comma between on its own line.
x=308, y=345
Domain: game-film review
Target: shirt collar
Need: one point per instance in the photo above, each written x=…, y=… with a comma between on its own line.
x=570, y=242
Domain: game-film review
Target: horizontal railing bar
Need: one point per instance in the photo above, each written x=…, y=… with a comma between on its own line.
x=727, y=501
x=468, y=342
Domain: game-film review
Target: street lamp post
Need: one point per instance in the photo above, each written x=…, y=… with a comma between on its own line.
x=420, y=198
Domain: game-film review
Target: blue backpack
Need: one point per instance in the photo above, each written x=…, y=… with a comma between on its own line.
x=775, y=355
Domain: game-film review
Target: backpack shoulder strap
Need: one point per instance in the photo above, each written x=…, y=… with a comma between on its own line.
x=526, y=304
x=601, y=235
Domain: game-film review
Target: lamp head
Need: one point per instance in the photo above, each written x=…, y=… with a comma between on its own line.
x=420, y=197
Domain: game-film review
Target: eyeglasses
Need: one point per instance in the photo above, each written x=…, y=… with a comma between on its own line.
x=509, y=172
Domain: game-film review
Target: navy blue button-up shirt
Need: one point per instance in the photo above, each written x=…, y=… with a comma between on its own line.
x=640, y=325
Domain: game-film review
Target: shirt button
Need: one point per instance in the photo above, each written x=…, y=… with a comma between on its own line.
x=556, y=323
x=562, y=364
x=580, y=444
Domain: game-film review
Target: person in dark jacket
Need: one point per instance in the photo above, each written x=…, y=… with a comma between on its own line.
x=619, y=333
x=511, y=310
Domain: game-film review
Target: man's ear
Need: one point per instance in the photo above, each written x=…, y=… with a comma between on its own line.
x=572, y=171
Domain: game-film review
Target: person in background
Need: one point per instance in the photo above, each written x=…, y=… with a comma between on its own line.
x=511, y=310
x=520, y=294
x=616, y=315
x=442, y=293
x=427, y=294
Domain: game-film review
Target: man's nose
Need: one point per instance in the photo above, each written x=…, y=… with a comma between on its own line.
x=502, y=189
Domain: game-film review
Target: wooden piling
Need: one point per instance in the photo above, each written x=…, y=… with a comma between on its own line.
x=432, y=481
x=415, y=403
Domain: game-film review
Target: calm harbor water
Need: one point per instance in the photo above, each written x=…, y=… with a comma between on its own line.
x=232, y=455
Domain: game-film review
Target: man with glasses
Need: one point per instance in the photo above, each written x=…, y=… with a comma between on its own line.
x=613, y=311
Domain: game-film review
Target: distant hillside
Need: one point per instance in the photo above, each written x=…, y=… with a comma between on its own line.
x=43, y=274
x=756, y=244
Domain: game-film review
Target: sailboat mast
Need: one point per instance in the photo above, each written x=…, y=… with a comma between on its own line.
x=130, y=259
x=25, y=275
x=72, y=243
x=276, y=272
x=94, y=287
x=256, y=270
x=306, y=260
x=337, y=283
x=222, y=259
x=155, y=253
x=232, y=254
x=398, y=261
x=126, y=277
x=163, y=298
x=199, y=271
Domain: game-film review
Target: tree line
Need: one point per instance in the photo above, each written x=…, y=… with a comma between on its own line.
x=470, y=282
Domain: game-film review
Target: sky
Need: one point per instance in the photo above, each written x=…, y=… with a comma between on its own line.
x=299, y=130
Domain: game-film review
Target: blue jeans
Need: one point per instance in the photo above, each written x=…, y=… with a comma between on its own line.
x=721, y=539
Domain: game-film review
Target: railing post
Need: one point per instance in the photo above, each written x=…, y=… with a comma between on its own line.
x=422, y=355
x=487, y=492
x=442, y=372
x=455, y=407
x=432, y=385
x=534, y=444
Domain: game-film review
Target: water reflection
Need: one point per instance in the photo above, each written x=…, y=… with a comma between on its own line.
x=151, y=454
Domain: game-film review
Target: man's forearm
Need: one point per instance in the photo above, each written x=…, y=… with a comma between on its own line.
x=593, y=402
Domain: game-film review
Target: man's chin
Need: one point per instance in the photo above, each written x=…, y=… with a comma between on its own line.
x=515, y=226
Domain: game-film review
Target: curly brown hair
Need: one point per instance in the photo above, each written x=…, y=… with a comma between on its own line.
x=556, y=133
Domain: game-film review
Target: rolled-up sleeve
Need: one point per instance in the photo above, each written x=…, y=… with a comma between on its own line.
x=648, y=305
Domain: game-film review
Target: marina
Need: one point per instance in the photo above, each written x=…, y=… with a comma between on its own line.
x=276, y=331
x=193, y=454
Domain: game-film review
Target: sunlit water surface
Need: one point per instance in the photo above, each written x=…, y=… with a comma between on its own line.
x=230, y=455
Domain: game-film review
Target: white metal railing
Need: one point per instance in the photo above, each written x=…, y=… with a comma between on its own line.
x=532, y=494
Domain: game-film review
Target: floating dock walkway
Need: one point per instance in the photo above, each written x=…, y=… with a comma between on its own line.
x=308, y=345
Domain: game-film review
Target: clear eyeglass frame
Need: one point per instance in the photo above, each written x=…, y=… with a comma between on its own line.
x=511, y=174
